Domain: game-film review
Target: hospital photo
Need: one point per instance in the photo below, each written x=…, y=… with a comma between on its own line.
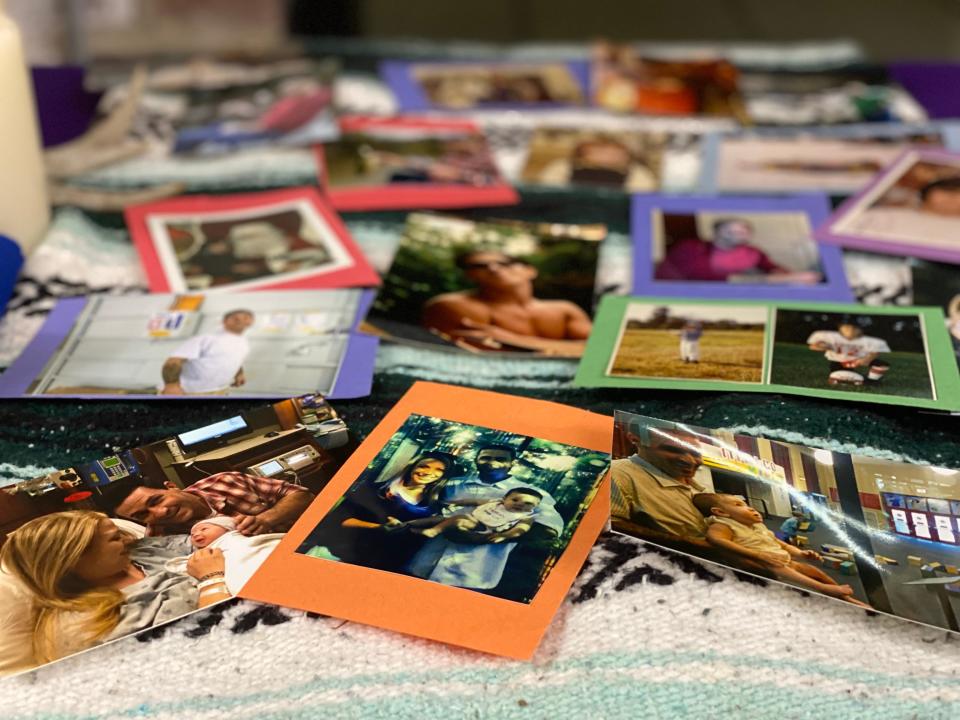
x=455, y=86
x=253, y=344
x=869, y=352
x=693, y=342
x=735, y=247
x=464, y=506
x=467, y=285
x=244, y=249
x=140, y=537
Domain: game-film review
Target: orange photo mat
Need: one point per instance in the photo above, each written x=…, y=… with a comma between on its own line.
x=424, y=608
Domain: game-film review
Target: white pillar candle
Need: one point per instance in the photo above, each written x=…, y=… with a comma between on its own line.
x=24, y=209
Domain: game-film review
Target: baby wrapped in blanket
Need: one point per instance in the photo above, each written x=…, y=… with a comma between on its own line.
x=242, y=555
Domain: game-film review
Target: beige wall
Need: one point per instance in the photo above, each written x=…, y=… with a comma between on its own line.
x=887, y=29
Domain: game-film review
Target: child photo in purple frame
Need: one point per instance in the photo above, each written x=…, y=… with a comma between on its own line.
x=735, y=248
x=485, y=85
x=912, y=208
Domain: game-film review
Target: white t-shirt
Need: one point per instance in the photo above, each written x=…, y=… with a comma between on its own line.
x=212, y=361
x=842, y=349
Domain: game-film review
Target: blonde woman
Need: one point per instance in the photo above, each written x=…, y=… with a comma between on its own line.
x=88, y=583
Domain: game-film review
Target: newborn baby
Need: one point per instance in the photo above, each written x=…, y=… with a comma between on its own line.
x=242, y=555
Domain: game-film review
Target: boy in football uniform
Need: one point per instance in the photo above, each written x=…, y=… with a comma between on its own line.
x=849, y=350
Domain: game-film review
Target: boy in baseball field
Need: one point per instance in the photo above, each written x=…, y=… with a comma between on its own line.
x=690, y=336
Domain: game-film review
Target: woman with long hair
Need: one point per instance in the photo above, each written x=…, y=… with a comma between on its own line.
x=359, y=530
x=86, y=589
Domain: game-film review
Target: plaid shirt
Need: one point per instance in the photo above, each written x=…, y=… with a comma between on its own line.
x=232, y=493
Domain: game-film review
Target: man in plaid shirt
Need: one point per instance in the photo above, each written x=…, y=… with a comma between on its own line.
x=258, y=504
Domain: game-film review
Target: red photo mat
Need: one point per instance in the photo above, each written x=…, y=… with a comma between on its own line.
x=447, y=614
x=358, y=274
x=403, y=196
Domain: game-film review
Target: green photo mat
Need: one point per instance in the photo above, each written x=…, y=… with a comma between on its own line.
x=943, y=371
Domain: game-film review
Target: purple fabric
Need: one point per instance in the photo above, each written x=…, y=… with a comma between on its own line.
x=936, y=86
x=65, y=108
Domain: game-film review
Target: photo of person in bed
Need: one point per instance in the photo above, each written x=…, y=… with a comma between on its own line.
x=87, y=581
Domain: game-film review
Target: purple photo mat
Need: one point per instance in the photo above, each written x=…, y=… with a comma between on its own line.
x=25, y=369
x=411, y=98
x=354, y=378
x=927, y=83
x=815, y=205
x=364, y=303
x=825, y=234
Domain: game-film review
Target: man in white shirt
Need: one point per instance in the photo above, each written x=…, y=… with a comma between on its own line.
x=209, y=363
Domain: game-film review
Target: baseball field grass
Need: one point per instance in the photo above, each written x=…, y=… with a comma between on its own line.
x=734, y=355
x=798, y=366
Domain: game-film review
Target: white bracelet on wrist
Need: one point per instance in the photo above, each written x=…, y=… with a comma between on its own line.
x=210, y=583
x=209, y=593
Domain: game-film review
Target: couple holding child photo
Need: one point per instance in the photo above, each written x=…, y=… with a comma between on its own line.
x=84, y=578
x=435, y=519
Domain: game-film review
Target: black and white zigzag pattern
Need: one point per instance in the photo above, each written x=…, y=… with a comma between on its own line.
x=616, y=564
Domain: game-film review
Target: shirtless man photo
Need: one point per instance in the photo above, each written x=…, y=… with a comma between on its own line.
x=501, y=313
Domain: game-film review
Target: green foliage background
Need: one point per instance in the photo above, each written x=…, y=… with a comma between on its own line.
x=797, y=365
x=424, y=266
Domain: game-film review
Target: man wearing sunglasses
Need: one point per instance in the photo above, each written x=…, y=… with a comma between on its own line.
x=501, y=312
